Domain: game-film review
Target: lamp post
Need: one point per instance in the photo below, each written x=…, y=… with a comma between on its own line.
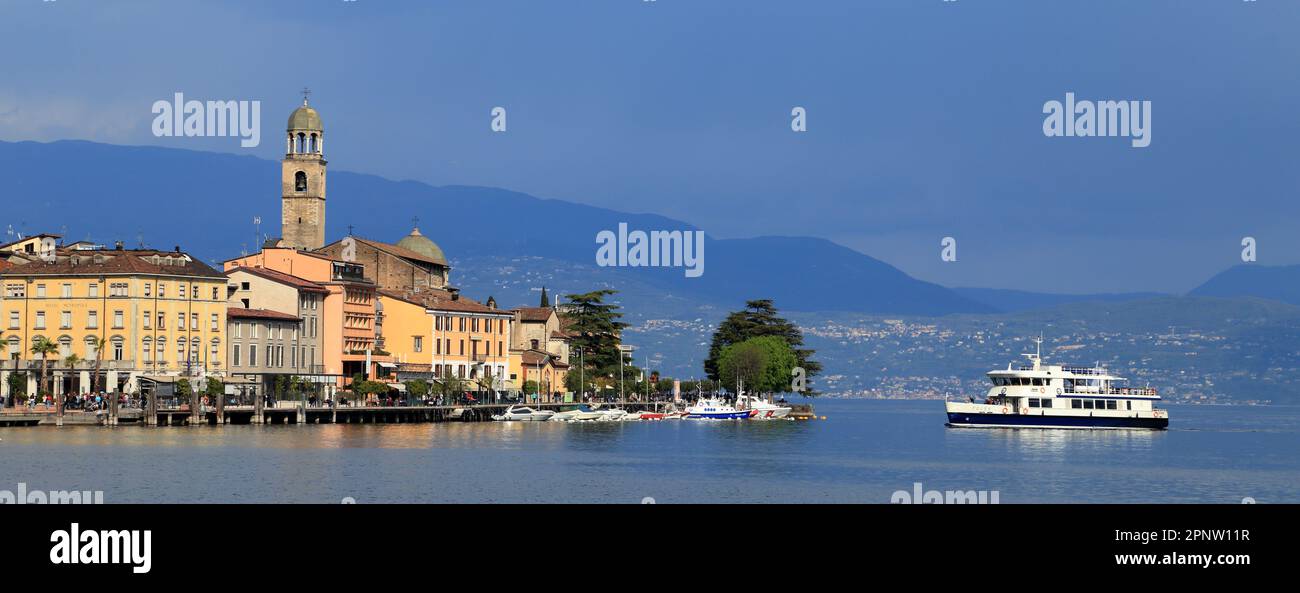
x=582, y=392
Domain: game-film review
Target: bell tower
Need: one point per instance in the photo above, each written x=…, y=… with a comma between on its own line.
x=302, y=181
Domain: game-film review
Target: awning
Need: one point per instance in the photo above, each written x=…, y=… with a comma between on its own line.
x=389, y=365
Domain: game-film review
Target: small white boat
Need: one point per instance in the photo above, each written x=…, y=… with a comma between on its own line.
x=604, y=413
x=518, y=413
x=569, y=415
x=761, y=409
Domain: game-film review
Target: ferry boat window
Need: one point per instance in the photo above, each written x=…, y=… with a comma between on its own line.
x=1069, y=384
x=1038, y=382
x=1130, y=404
x=1074, y=403
x=1087, y=404
x=1112, y=404
x=1033, y=402
x=1047, y=403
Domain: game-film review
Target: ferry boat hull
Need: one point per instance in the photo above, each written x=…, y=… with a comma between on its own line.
x=976, y=420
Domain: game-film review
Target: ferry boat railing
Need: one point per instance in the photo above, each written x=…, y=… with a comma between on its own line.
x=1111, y=391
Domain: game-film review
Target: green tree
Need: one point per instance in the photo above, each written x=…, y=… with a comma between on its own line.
x=545, y=300
x=17, y=387
x=596, y=330
x=763, y=364
x=759, y=318
x=418, y=388
x=215, y=388
x=531, y=387
x=43, y=347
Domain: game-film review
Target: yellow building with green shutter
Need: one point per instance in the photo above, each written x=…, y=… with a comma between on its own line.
x=158, y=313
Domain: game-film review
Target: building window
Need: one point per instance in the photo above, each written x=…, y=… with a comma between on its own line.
x=118, y=289
x=15, y=291
x=40, y=291
x=65, y=320
x=214, y=293
x=234, y=355
x=92, y=319
x=180, y=321
x=162, y=321
x=214, y=322
x=418, y=343
x=182, y=291
x=118, y=321
x=117, y=348
x=40, y=320
x=67, y=291
x=147, y=351
x=300, y=181
x=252, y=354
x=194, y=321
x=162, y=290
x=94, y=290
x=13, y=320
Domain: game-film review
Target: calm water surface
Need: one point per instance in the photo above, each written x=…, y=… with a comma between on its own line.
x=863, y=452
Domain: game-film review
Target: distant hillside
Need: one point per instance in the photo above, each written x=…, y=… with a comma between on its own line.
x=1280, y=283
x=207, y=201
x=1008, y=301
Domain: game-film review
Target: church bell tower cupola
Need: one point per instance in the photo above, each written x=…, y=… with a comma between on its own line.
x=302, y=180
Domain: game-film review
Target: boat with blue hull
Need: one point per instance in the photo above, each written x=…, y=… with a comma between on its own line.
x=1038, y=395
x=713, y=409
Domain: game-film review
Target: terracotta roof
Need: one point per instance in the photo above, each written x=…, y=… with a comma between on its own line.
x=116, y=262
x=536, y=357
x=282, y=278
x=4, y=265
x=561, y=334
x=403, y=252
x=239, y=313
x=440, y=300
x=535, y=314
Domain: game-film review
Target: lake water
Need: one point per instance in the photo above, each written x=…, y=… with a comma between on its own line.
x=863, y=452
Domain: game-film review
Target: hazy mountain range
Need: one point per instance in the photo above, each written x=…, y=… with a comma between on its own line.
x=507, y=244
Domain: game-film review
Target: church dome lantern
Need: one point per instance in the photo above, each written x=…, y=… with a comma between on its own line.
x=306, y=133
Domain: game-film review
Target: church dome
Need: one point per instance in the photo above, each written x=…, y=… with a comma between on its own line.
x=304, y=118
x=423, y=246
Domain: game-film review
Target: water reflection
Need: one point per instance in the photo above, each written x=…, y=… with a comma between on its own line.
x=862, y=453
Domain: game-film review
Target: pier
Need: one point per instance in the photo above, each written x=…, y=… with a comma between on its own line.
x=287, y=414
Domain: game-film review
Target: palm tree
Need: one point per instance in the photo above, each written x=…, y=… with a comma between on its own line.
x=98, y=344
x=43, y=347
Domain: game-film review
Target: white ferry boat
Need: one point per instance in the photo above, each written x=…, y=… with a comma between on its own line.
x=1037, y=395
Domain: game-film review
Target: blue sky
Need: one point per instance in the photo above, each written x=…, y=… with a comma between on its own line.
x=924, y=116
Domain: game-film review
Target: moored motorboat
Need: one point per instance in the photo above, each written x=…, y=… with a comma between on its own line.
x=761, y=409
x=519, y=413
x=714, y=409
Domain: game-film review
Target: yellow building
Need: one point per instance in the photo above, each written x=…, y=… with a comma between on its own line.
x=548, y=371
x=433, y=334
x=159, y=314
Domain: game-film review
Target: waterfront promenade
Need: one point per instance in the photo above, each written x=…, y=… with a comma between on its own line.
x=285, y=413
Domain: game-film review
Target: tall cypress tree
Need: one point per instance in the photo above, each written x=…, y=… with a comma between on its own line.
x=758, y=319
x=546, y=301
